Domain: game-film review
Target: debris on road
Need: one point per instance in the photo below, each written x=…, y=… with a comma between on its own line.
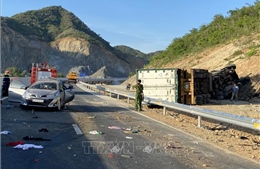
x=43, y=130
x=6, y=132
x=35, y=138
x=95, y=132
x=126, y=156
x=27, y=146
x=127, y=129
x=135, y=131
x=14, y=143
x=114, y=127
x=91, y=117
x=110, y=155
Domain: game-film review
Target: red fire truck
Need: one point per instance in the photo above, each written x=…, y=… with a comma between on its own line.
x=42, y=70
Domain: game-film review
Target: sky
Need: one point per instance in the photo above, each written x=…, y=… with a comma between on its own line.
x=144, y=25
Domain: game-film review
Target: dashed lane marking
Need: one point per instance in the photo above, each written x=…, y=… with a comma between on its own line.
x=76, y=128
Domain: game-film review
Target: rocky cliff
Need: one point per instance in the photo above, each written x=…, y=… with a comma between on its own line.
x=21, y=48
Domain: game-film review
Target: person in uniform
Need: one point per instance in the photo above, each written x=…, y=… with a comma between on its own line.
x=138, y=95
x=6, y=84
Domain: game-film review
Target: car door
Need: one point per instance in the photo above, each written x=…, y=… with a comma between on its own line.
x=69, y=93
x=62, y=93
x=16, y=90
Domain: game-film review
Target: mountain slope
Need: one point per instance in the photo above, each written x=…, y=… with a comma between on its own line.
x=56, y=36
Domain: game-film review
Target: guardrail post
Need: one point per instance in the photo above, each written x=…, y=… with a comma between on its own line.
x=110, y=94
x=199, y=121
x=128, y=100
x=164, y=110
x=117, y=96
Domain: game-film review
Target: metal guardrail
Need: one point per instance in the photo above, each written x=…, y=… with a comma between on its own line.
x=242, y=121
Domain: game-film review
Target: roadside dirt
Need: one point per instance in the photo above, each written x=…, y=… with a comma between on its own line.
x=243, y=142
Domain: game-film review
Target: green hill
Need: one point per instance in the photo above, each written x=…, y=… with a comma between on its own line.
x=238, y=23
x=52, y=23
x=136, y=53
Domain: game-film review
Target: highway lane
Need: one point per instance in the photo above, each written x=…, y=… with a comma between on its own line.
x=91, y=111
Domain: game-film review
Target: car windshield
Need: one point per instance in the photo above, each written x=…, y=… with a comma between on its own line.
x=45, y=86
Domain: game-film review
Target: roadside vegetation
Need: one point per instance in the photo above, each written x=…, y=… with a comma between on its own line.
x=52, y=23
x=223, y=29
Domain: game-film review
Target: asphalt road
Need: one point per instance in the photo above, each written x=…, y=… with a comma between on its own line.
x=155, y=145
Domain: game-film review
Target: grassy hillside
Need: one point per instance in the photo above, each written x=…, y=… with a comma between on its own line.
x=137, y=53
x=52, y=23
x=238, y=23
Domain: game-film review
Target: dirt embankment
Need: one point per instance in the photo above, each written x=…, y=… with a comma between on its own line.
x=234, y=139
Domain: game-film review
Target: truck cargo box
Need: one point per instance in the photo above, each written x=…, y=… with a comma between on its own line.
x=162, y=84
x=190, y=86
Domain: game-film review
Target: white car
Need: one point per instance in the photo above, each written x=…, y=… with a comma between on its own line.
x=49, y=93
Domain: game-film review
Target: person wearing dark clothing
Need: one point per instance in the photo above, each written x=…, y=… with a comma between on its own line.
x=138, y=96
x=235, y=90
x=6, y=84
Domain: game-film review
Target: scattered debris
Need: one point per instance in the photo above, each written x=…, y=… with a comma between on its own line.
x=206, y=165
x=91, y=117
x=148, y=131
x=129, y=137
x=127, y=131
x=27, y=146
x=135, y=131
x=126, y=156
x=35, y=138
x=95, y=132
x=6, y=132
x=110, y=155
x=40, y=152
x=14, y=143
x=69, y=148
x=173, y=146
x=43, y=130
x=114, y=127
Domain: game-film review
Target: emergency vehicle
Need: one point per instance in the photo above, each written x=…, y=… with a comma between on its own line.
x=42, y=70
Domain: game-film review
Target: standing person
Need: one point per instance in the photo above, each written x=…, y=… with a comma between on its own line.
x=138, y=95
x=235, y=90
x=6, y=83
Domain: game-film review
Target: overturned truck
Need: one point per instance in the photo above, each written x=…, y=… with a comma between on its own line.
x=188, y=86
x=222, y=82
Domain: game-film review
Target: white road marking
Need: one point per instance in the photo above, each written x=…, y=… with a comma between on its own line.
x=76, y=128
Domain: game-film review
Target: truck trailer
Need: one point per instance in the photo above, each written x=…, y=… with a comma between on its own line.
x=191, y=86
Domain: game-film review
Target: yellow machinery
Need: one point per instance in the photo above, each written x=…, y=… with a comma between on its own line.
x=72, y=77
